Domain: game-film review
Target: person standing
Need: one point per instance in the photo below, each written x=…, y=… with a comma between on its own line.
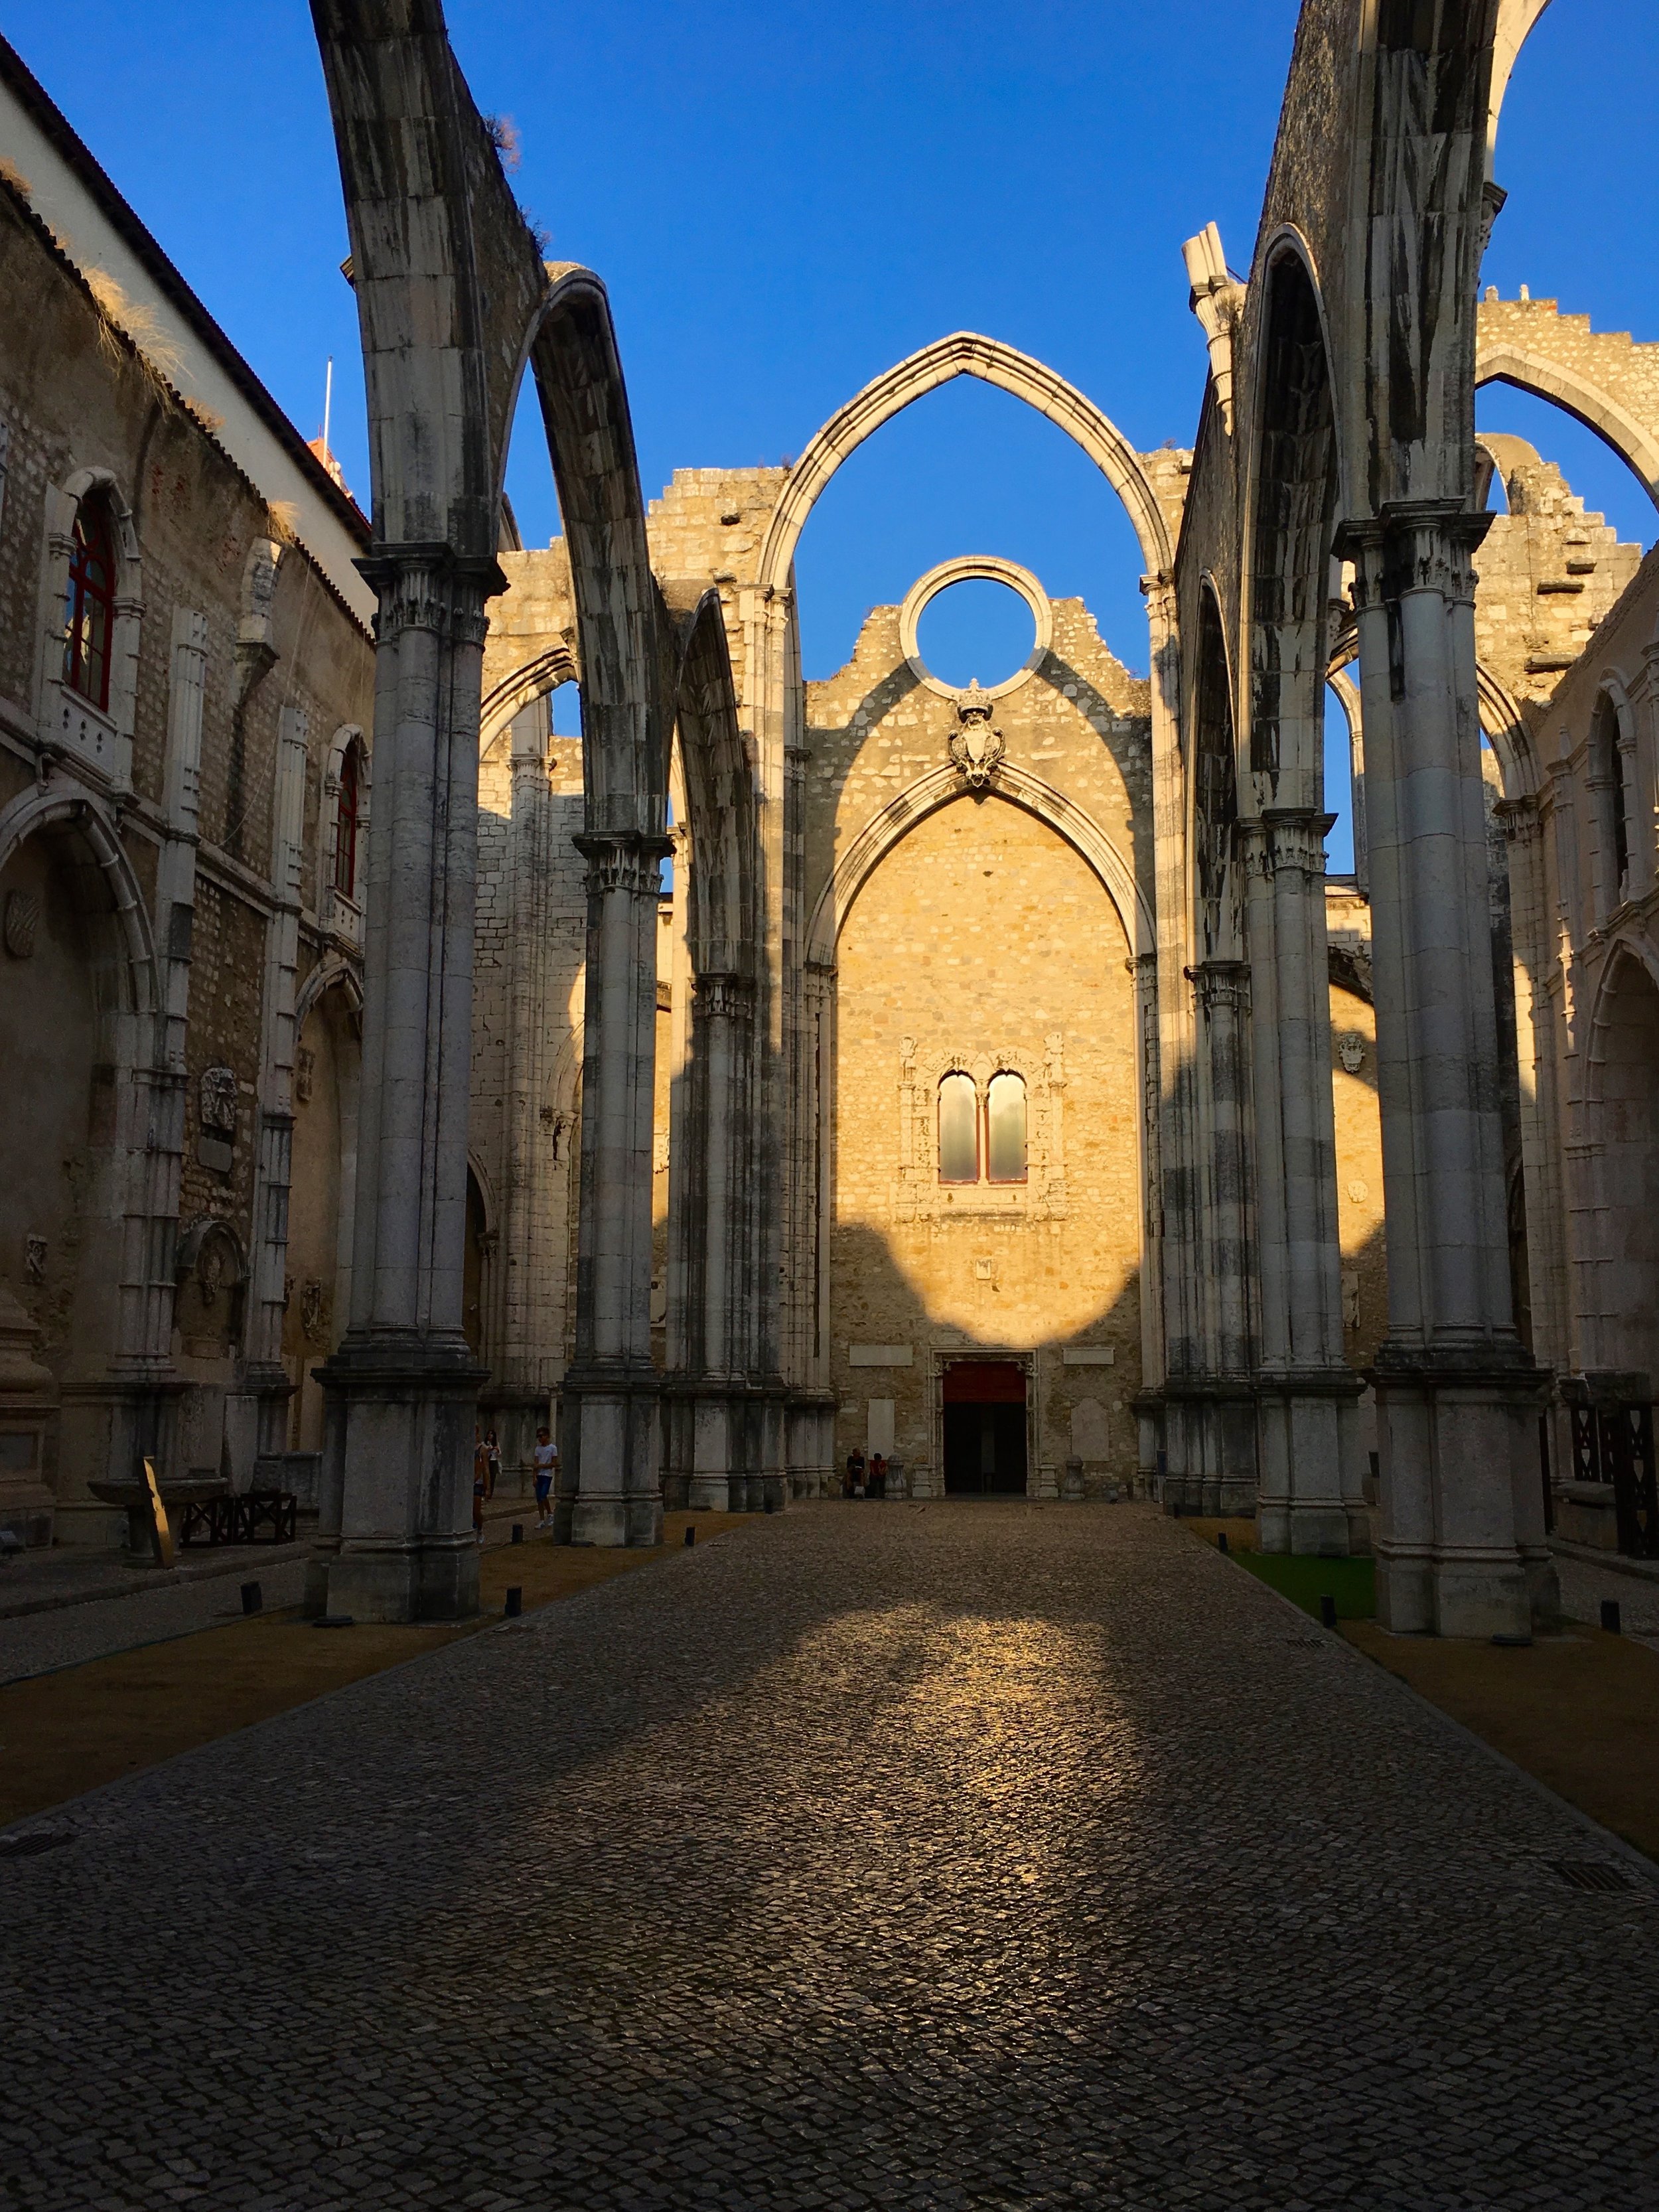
x=493, y=1461
x=878, y=1485
x=855, y=1473
x=480, y=1481
x=547, y=1467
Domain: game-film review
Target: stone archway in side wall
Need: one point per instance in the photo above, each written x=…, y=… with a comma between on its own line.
x=1532, y=369
x=964, y=353
x=543, y=674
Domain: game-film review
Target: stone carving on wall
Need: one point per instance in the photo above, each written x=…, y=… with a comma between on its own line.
x=217, y=1101
x=22, y=921
x=305, y=1074
x=211, y=1269
x=1351, y=1050
x=977, y=748
x=34, y=1258
x=314, y=1310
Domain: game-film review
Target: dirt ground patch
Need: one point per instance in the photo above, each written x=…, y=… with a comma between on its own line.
x=67, y=1732
x=1579, y=1710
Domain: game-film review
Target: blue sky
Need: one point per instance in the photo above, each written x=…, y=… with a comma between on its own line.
x=785, y=198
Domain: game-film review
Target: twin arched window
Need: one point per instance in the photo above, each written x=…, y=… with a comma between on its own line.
x=89, y=604
x=981, y=1140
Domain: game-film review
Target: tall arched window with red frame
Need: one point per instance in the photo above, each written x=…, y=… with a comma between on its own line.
x=345, y=824
x=89, y=604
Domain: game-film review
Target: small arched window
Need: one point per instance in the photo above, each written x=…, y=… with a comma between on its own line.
x=345, y=824
x=1005, y=1129
x=958, y=1129
x=89, y=604
x=1609, y=764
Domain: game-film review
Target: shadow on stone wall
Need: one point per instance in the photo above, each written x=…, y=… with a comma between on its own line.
x=875, y=1300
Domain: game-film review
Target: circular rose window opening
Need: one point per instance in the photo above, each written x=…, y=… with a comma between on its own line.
x=977, y=630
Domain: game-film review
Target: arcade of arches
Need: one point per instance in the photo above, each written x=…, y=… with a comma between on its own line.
x=1003, y=1084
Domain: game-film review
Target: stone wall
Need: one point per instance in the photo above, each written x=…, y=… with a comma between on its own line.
x=177, y=848
x=984, y=940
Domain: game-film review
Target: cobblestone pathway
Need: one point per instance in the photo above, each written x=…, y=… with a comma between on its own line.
x=886, y=1855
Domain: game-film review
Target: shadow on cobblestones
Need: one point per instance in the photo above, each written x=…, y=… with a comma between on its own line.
x=943, y=1856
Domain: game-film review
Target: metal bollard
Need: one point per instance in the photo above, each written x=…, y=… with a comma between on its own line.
x=518, y=1532
x=514, y=1605
x=690, y=1537
x=253, y=1597
x=1610, y=1620
x=1327, y=1610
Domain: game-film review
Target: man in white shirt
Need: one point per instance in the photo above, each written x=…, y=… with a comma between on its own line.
x=547, y=1466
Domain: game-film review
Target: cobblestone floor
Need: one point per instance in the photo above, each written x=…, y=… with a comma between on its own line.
x=983, y=1855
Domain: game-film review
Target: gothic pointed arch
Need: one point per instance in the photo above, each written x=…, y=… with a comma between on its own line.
x=623, y=656
x=1019, y=788
x=724, y=889
x=964, y=353
x=1290, y=514
x=1540, y=370
x=1214, y=784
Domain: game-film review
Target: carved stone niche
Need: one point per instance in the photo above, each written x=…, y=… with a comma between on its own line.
x=212, y=1279
x=28, y=1423
x=216, y=1115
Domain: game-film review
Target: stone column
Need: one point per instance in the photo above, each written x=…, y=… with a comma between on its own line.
x=719, y=1339
x=530, y=1333
x=1217, y=1406
x=266, y=1376
x=404, y=1385
x=610, y=1489
x=1462, y=1550
x=1310, y=1498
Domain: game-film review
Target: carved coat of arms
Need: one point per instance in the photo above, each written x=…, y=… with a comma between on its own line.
x=975, y=747
x=217, y=1100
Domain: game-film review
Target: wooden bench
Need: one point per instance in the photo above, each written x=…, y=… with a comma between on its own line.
x=247, y=1517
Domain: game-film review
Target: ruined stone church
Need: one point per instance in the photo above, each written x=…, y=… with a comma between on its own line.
x=994, y=1080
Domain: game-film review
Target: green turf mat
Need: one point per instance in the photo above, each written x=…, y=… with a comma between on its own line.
x=1351, y=1583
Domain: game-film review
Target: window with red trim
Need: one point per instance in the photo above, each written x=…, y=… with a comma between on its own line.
x=345, y=826
x=89, y=604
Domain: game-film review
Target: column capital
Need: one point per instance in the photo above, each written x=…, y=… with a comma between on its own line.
x=623, y=860
x=429, y=586
x=1220, y=985
x=724, y=993
x=1413, y=545
x=1287, y=837
x=1518, y=819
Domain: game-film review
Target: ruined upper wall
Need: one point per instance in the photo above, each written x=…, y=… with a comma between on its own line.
x=1549, y=575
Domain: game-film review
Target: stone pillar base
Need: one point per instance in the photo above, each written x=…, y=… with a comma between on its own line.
x=1459, y=1554
x=1209, y=1447
x=611, y=1485
x=398, y=1473
x=1312, y=1503
x=436, y=1578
